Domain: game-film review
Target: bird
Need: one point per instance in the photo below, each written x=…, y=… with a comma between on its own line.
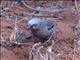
x=41, y=28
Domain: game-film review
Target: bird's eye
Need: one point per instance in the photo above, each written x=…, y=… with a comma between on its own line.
x=50, y=27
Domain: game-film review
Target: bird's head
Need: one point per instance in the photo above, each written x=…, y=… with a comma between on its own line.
x=34, y=23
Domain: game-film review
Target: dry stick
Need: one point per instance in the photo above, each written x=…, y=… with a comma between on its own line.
x=36, y=15
x=2, y=41
x=47, y=10
x=5, y=44
x=38, y=55
x=76, y=6
x=14, y=34
x=31, y=51
x=9, y=6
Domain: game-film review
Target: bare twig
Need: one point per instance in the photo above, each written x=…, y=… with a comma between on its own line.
x=77, y=10
x=15, y=33
x=77, y=35
x=48, y=10
x=33, y=50
x=5, y=44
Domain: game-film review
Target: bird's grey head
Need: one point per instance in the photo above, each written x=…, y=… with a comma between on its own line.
x=34, y=23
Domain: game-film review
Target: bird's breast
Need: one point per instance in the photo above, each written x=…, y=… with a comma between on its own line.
x=43, y=33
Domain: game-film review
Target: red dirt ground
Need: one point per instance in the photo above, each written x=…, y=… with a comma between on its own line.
x=65, y=49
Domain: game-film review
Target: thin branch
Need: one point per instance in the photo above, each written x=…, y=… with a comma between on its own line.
x=77, y=10
x=5, y=44
x=49, y=10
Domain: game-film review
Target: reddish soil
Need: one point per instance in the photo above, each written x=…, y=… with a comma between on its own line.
x=65, y=48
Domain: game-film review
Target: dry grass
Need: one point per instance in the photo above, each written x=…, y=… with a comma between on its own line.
x=36, y=52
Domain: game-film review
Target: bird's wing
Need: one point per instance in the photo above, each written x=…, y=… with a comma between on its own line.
x=50, y=25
